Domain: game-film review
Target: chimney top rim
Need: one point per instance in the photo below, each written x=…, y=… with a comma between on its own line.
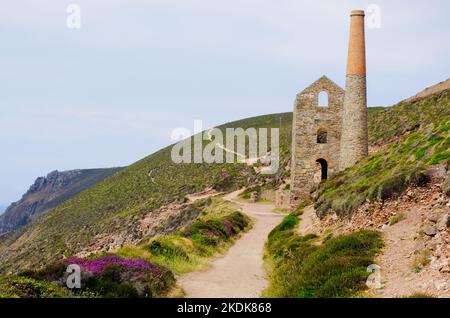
x=357, y=13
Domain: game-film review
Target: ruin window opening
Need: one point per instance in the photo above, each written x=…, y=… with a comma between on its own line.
x=322, y=135
x=323, y=99
x=324, y=168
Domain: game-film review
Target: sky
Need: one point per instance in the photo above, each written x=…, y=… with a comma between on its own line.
x=111, y=92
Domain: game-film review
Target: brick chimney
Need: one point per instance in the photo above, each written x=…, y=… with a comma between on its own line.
x=354, y=139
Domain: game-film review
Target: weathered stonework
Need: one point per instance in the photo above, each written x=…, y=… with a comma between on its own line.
x=354, y=142
x=308, y=119
x=326, y=140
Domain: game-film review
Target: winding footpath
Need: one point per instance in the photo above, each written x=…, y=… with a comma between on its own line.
x=239, y=273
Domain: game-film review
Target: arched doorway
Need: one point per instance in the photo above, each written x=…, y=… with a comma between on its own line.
x=323, y=167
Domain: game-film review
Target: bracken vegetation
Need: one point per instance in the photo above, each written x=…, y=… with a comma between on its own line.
x=304, y=267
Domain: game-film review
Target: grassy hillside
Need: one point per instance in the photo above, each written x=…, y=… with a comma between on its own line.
x=414, y=136
x=422, y=138
x=146, y=270
x=387, y=123
x=120, y=201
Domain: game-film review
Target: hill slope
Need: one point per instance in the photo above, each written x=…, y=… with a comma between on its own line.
x=437, y=88
x=416, y=135
x=119, y=205
x=116, y=207
x=48, y=192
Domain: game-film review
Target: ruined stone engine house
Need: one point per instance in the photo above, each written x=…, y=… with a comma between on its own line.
x=316, y=135
x=329, y=128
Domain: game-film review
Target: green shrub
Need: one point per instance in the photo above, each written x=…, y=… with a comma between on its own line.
x=392, y=187
x=420, y=295
x=219, y=228
x=166, y=248
x=25, y=287
x=201, y=239
x=111, y=285
x=51, y=273
x=282, y=240
x=124, y=282
x=396, y=218
x=289, y=222
x=337, y=268
x=238, y=220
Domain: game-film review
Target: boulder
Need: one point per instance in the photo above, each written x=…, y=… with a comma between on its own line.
x=446, y=186
x=254, y=196
x=443, y=223
x=436, y=172
x=430, y=230
x=433, y=217
x=445, y=269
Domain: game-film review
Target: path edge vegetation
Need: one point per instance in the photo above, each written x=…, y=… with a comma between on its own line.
x=159, y=260
x=308, y=266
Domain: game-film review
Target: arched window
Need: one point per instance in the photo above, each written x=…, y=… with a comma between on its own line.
x=323, y=167
x=322, y=136
x=323, y=99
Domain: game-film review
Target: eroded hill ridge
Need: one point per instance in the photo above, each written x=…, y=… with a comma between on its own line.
x=48, y=192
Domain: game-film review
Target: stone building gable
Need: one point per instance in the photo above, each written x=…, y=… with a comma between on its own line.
x=308, y=98
x=316, y=137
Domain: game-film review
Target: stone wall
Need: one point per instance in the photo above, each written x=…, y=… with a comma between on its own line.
x=307, y=120
x=354, y=142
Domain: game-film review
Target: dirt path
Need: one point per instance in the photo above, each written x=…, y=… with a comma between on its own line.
x=401, y=243
x=239, y=273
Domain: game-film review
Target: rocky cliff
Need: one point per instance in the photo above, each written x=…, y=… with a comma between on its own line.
x=48, y=192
